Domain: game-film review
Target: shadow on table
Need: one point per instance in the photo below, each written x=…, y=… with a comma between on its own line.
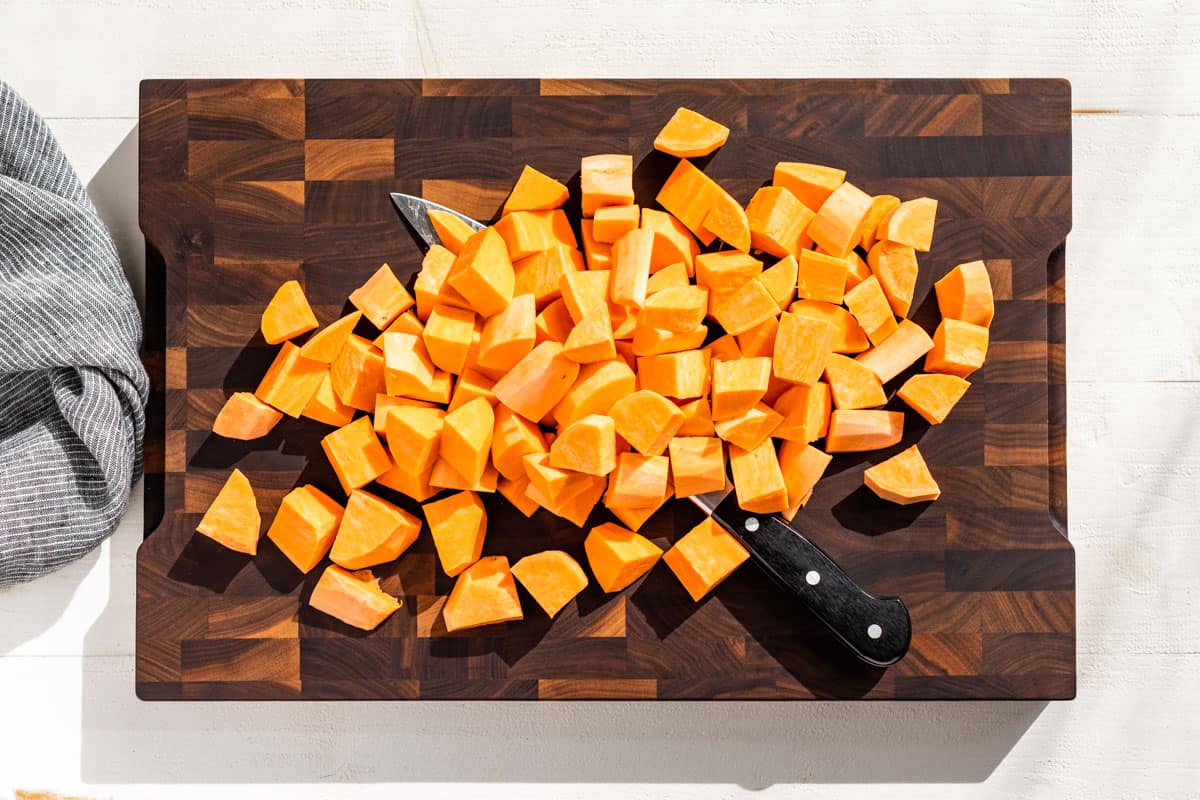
x=754, y=744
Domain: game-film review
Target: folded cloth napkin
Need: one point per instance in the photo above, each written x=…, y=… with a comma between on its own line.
x=72, y=389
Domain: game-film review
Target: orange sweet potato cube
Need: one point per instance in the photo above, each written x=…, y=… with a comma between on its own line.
x=697, y=465
x=780, y=280
x=896, y=268
x=597, y=388
x=373, y=531
x=705, y=556
x=483, y=273
x=801, y=347
x=597, y=254
x=288, y=314
x=911, y=223
x=605, y=180
x=513, y=438
x=431, y=280
x=618, y=556
x=682, y=376
x=959, y=348
x=697, y=419
x=855, y=431
x=805, y=411
x=759, y=340
x=451, y=231
x=802, y=465
x=649, y=341
x=535, y=191
x=382, y=298
x=587, y=445
x=668, y=277
x=508, y=336
x=810, y=183
x=514, y=491
x=466, y=441
x=724, y=272
x=485, y=594
x=933, y=396
x=538, y=382
x=291, y=381
x=552, y=577
x=245, y=417
x=965, y=293
x=610, y=223
x=458, y=524
x=408, y=370
x=592, y=339
x=737, y=385
x=751, y=428
x=646, y=420
x=447, y=337
x=352, y=597
x=409, y=483
x=631, y=268
x=582, y=291
x=357, y=374
x=747, y=307
x=852, y=383
x=778, y=222
x=673, y=243
x=757, y=478
x=444, y=476
x=821, y=277
x=638, y=480
x=232, y=519
x=528, y=232
x=871, y=309
x=305, y=526
x=892, y=356
x=356, y=455
x=325, y=345
x=848, y=335
x=553, y=323
x=414, y=436
x=541, y=273
x=838, y=223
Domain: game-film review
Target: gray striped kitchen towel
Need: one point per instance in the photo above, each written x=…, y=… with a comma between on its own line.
x=72, y=389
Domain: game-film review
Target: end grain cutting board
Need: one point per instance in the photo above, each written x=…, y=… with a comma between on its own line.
x=248, y=183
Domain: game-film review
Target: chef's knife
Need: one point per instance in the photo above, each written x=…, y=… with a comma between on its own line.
x=876, y=629
x=415, y=211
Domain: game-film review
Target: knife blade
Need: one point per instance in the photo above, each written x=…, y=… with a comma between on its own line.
x=876, y=629
x=415, y=211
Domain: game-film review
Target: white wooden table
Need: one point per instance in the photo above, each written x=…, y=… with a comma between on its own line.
x=68, y=717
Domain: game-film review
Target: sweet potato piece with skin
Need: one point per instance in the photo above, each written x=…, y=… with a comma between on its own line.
x=551, y=577
x=483, y=273
x=744, y=309
x=778, y=222
x=639, y=480
x=232, y=519
x=305, y=526
x=618, y=556
x=325, y=345
x=597, y=388
x=689, y=134
x=758, y=479
x=669, y=277
x=705, y=556
x=682, y=376
x=780, y=281
x=372, y=531
x=535, y=191
x=408, y=369
x=631, y=268
x=673, y=242
x=553, y=324
x=903, y=479
x=466, y=440
x=881, y=206
x=802, y=466
x=288, y=314
x=959, y=348
x=513, y=438
x=869, y=306
x=592, y=339
x=801, y=347
x=325, y=406
x=291, y=381
x=352, y=597
x=612, y=222
x=737, y=385
x=649, y=341
x=896, y=267
x=759, y=340
x=852, y=384
x=697, y=419
x=810, y=183
x=965, y=293
x=485, y=594
x=382, y=298
x=245, y=417
x=538, y=382
x=678, y=309
x=514, y=492
x=646, y=420
x=541, y=273
x=839, y=221
x=805, y=411
x=853, y=431
x=356, y=455
x=750, y=429
x=414, y=436
x=898, y=351
x=605, y=180
x=911, y=223
x=451, y=231
x=508, y=336
x=933, y=396
x=598, y=254
x=447, y=337
x=458, y=524
x=821, y=277
x=848, y=335
x=588, y=445
x=697, y=464
x=528, y=232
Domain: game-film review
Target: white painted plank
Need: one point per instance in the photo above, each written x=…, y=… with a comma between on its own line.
x=1137, y=58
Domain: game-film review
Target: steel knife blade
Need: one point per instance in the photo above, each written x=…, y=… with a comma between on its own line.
x=415, y=211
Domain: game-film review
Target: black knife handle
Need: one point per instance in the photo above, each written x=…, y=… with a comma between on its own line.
x=876, y=629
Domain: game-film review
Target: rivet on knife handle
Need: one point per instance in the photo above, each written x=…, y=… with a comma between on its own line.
x=876, y=629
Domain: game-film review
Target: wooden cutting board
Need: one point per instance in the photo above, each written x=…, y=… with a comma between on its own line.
x=247, y=183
